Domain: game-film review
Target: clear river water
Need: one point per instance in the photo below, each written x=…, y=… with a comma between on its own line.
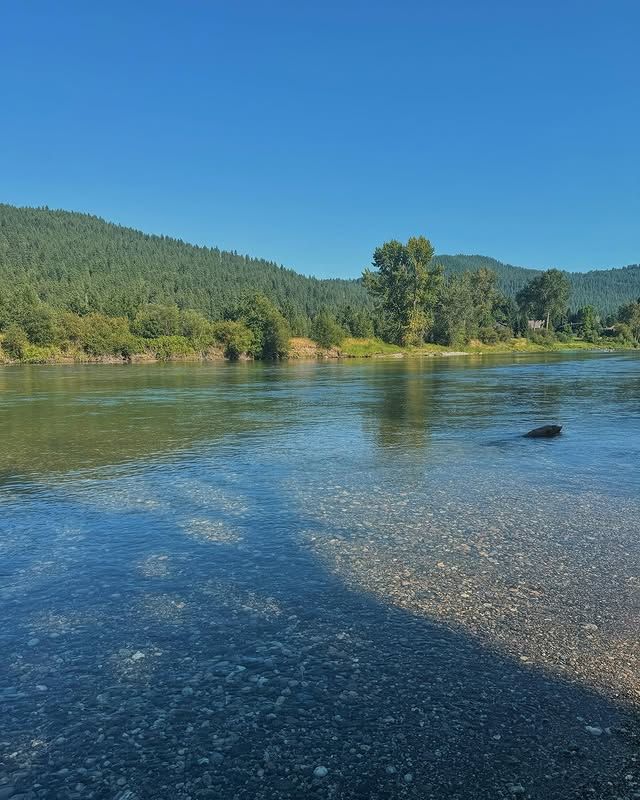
x=321, y=580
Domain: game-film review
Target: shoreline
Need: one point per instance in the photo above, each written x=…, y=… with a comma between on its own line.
x=314, y=353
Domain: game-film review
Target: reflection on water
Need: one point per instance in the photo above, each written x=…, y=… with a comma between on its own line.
x=216, y=579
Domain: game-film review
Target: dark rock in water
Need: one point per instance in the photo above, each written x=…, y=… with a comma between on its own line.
x=545, y=431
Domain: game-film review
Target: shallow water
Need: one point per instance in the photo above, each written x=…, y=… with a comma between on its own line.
x=217, y=579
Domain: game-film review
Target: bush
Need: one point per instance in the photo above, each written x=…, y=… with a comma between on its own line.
x=234, y=336
x=624, y=334
x=14, y=341
x=102, y=336
x=325, y=330
x=270, y=331
x=38, y=322
x=41, y=354
x=542, y=337
x=166, y=347
x=70, y=327
x=154, y=321
x=493, y=334
x=196, y=327
x=504, y=333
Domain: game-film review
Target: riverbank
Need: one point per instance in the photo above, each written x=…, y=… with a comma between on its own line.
x=302, y=348
x=54, y=355
x=305, y=349
x=322, y=580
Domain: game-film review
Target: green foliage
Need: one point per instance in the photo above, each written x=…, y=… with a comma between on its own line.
x=269, y=329
x=15, y=341
x=156, y=320
x=605, y=289
x=21, y=306
x=629, y=314
x=588, y=323
x=76, y=283
x=485, y=300
x=234, y=336
x=418, y=303
x=40, y=354
x=105, y=336
x=454, y=313
x=326, y=330
x=364, y=348
x=83, y=264
x=167, y=347
x=406, y=284
x=38, y=322
x=624, y=334
x=299, y=322
x=195, y=326
x=70, y=327
x=545, y=297
x=543, y=337
x=356, y=322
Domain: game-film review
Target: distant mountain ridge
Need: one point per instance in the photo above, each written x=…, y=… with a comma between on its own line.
x=80, y=261
x=606, y=289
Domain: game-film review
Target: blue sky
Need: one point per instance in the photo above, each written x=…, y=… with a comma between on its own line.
x=310, y=132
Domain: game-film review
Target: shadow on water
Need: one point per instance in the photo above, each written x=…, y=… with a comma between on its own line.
x=235, y=668
x=207, y=651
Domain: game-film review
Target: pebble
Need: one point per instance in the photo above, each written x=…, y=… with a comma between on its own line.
x=320, y=772
x=314, y=694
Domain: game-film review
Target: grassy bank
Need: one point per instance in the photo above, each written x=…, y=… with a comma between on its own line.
x=302, y=348
x=376, y=348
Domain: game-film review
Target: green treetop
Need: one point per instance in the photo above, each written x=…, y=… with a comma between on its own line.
x=406, y=283
x=545, y=297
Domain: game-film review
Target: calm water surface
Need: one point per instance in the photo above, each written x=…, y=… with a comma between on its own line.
x=345, y=580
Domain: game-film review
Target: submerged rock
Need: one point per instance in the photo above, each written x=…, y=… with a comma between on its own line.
x=320, y=772
x=544, y=431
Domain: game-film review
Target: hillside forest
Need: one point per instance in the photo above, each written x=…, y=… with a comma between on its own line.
x=75, y=287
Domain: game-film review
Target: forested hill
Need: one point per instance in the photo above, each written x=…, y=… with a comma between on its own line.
x=606, y=289
x=81, y=262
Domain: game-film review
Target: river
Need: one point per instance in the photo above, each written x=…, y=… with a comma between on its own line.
x=320, y=580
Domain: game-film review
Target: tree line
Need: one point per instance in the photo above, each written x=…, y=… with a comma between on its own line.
x=31, y=330
x=604, y=289
x=75, y=285
x=417, y=302
x=83, y=264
